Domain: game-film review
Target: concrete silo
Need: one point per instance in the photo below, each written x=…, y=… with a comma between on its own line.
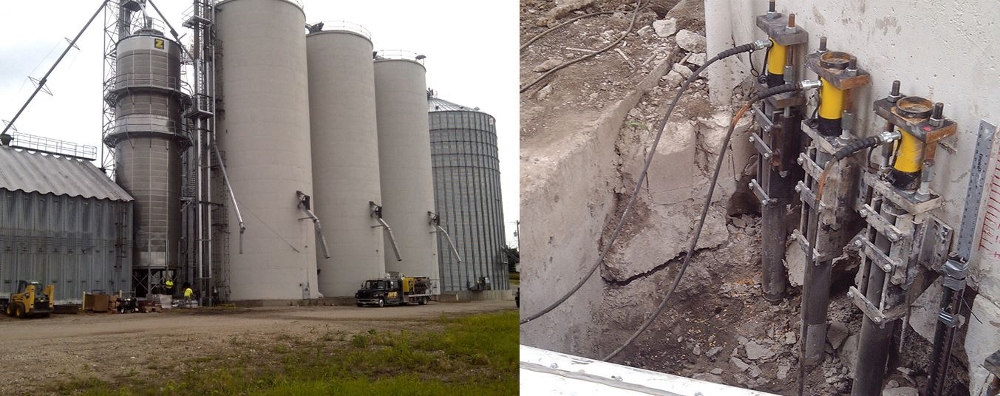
x=467, y=197
x=404, y=152
x=146, y=95
x=263, y=134
x=345, y=155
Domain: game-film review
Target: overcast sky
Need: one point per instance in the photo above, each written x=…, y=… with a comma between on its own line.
x=471, y=49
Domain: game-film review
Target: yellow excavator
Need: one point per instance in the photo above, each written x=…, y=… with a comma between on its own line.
x=29, y=300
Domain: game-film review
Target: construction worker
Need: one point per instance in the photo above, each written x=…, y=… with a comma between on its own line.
x=188, y=295
x=169, y=285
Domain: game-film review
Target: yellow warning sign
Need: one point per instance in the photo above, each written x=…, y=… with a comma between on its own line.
x=158, y=43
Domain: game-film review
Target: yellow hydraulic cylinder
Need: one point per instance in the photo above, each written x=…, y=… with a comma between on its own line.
x=831, y=101
x=776, y=59
x=910, y=154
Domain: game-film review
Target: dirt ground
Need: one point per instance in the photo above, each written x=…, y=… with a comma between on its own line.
x=120, y=346
x=717, y=328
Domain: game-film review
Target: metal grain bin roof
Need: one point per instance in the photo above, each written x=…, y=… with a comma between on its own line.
x=48, y=174
x=437, y=104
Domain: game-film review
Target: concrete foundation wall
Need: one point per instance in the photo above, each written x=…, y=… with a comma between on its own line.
x=945, y=51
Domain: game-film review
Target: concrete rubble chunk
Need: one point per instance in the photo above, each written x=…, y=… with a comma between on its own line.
x=549, y=64
x=545, y=91
x=682, y=70
x=790, y=338
x=756, y=351
x=696, y=350
x=690, y=41
x=901, y=391
x=716, y=371
x=754, y=371
x=665, y=27
x=837, y=333
x=742, y=340
x=738, y=363
x=783, y=371
x=698, y=59
x=714, y=351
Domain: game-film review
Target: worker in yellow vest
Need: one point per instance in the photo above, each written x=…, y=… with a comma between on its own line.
x=188, y=295
x=169, y=285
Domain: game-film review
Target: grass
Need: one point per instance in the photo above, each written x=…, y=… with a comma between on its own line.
x=475, y=354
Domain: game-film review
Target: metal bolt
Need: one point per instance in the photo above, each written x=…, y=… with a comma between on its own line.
x=770, y=6
x=863, y=212
x=749, y=185
x=822, y=44
x=894, y=94
x=766, y=155
x=894, y=237
x=799, y=160
x=937, y=115
x=858, y=243
x=751, y=138
x=877, y=319
x=850, y=294
x=791, y=24
x=852, y=67
x=798, y=188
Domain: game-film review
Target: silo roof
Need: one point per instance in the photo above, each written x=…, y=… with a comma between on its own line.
x=30, y=171
x=437, y=104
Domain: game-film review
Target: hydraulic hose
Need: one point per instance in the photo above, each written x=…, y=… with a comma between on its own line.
x=660, y=126
x=708, y=202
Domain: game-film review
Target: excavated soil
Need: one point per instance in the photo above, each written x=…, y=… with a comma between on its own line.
x=717, y=327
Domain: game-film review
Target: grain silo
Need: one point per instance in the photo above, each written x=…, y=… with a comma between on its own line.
x=467, y=196
x=263, y=134
x=147, y=138
x=405, y=163
x=345, y=155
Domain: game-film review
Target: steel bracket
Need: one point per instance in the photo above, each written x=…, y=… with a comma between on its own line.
x=810, y=166
x=935, y=245
x=777, y=29
x=762, y=148
x=868, y=249
x=806, y=194
x=839, y=78
x=869, y=309
x=826, y=144
x=904, y=200
x=948, y=319
x=873, y=218
x=759, y=192
x=804, y=244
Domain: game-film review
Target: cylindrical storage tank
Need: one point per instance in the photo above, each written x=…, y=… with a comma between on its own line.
x=345, y=156
x=146, y=94
x=404, y=153
x=467, y=197
x=263, y=134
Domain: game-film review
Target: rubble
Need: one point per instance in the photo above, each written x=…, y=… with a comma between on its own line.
x=690, y=41
x=756, y=351
x=665, y=27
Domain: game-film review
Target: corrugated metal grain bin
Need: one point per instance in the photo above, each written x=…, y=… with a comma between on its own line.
x=467, y=197
x=62, y=222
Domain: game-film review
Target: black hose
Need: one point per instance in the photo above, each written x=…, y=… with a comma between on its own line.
x=855, y=146
x=704, y=210
x=660, y=126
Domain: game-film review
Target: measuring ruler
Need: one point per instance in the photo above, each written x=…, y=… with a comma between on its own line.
x=989, y=237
